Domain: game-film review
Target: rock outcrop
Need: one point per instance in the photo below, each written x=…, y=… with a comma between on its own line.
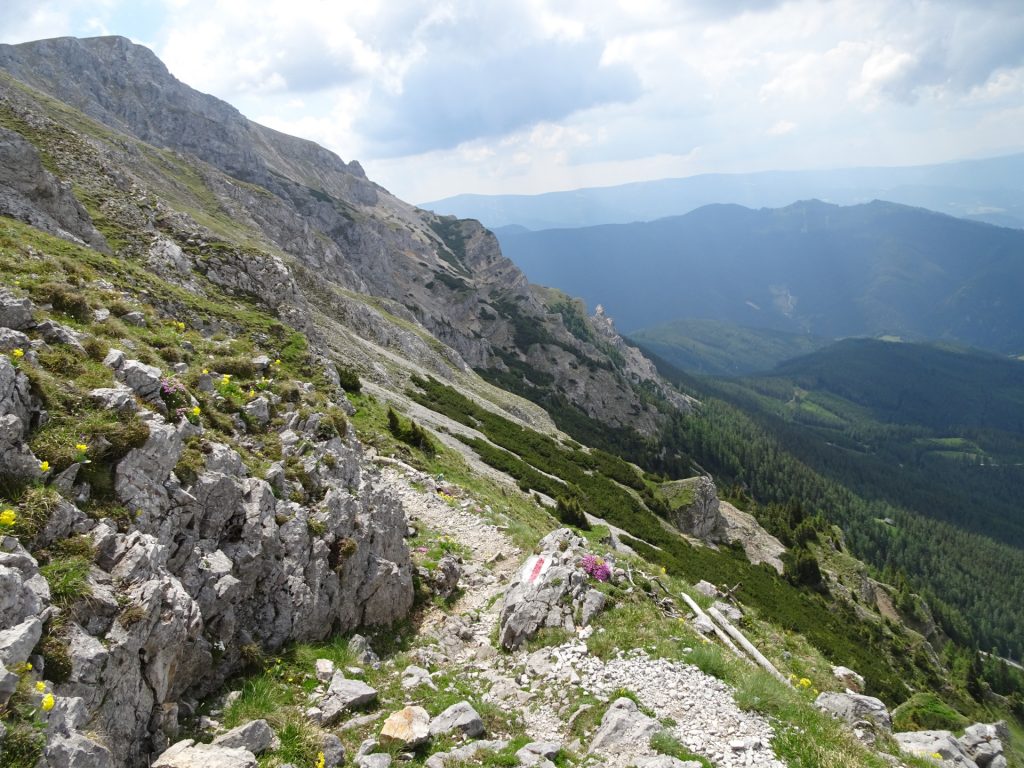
x=855, y=709
x=552, y=591
x=34, y=195
x=207, y=574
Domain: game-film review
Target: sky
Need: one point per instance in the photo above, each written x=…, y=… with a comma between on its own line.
x=528, y=96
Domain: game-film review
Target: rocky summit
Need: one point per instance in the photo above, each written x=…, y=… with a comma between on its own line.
x=283, y=482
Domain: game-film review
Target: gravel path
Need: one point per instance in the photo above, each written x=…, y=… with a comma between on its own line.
x=707, y=720
x=493, y=557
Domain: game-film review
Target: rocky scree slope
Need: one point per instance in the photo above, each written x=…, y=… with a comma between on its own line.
x=449, y=274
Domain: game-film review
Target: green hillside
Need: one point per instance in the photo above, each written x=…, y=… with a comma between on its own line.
x=716, y=348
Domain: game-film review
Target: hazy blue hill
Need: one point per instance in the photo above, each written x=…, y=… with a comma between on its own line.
x=810, y=268
x=991, y=190
x=715, y=348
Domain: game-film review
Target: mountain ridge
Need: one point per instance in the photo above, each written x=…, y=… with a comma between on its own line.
x=811, y=267
x=965, y=188
x=344, y=227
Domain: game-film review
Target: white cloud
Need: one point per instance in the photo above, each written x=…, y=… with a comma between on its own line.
x=487, y=95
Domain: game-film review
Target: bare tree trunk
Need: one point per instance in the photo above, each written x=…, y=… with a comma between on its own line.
x=721, y=635
x=736, y=635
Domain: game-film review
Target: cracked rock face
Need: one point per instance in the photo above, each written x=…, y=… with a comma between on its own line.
x=199, y=575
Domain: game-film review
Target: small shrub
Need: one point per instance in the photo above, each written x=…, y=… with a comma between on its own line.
x=349, y=379
x=75, y=546
x=570, y=512
x=337, y=417
x=341, y=550
x=927, y=712
x=758, y=691
x=33, y=510
x=95, y=348
x=131, y=615
x=62, y=361
x=236, y=365
x=252, y=655
x=56, y=657
x=64, y=299
x=801, y=568
x=23, y=745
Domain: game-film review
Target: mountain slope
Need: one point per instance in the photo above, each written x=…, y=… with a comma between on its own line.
x=810, y=268
x=309, y=206
x=987, y=190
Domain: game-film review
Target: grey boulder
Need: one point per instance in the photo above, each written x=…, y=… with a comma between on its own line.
x=17, y=642
x=854, y=708
x=74, y=750
x=256, y=736
x=15, y=312
x=942, y=743
x=188, y=754
x=623, y=726
x=538, y=753
x=665, y=761
x=461, y=717
x=344, y=694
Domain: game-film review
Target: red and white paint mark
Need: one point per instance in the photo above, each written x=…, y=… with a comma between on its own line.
x=534, y=568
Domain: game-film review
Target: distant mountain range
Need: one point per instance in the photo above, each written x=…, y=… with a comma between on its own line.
x=990, y=190
x=811, y=268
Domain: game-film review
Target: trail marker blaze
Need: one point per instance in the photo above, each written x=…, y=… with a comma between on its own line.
x=534, y=568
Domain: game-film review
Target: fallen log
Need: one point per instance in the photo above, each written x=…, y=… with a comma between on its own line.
x=718, y=631
x=736, y=635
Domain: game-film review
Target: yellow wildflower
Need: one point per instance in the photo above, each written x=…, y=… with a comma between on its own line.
x=40, y=686
x=81, y=447
x=805, y=683
x=936, y=756
x=206, y=370
x=17, y=353
x=321, y=760
x=48, y=702
x=44, y=466
x=196, y=410
x=252, y=393
x=277, y=362
x=8, y=518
